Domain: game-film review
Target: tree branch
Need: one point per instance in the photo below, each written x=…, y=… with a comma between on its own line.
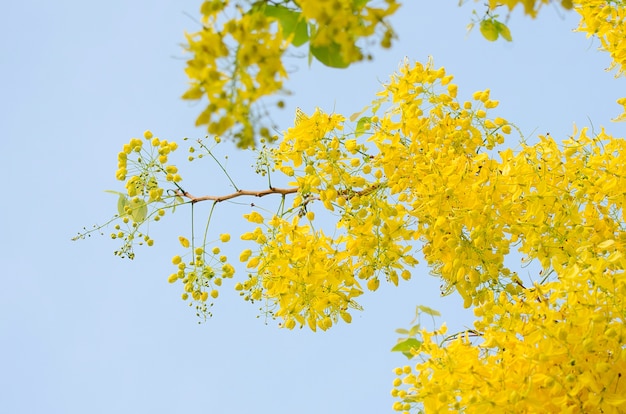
x=272, y=190
x=239, y=193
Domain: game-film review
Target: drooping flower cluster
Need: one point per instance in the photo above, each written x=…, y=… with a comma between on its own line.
x=202, y=275
x=557, y=345
x=307, y=275
x=389, y=184
x=606, y=20
x=236, y=61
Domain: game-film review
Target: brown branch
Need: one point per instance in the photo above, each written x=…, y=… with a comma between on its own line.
x=283, y=191
x=239, y=193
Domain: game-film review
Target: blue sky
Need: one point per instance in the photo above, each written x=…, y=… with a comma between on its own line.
x=84, y=331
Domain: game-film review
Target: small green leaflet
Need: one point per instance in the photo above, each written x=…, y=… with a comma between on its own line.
x=491, y=29
x=291, y=22
x=329, y=55
x=139, y=210
x=426, y=310
x=406, y=345
x=122, y=202
x=360, y=125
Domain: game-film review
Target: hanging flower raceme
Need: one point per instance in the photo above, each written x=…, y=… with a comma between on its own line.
x=237, y=61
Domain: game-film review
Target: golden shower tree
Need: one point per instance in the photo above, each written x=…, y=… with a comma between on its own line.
x=417, y=175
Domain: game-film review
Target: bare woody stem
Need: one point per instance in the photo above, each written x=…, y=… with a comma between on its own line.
x=239, y=193
x=272, y=190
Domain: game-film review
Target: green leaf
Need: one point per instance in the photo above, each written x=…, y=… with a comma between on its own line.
x=406, y=345
x=402, y=331
x=177, y=200
x=503, y=30
x=360, y=125
x=489, y=30
x=122, y=202
x=427, y=310
x=291, y=22
x=414, y=330
x=358, y=4
x=329, y=55
x=355, y=115
x=139, y=210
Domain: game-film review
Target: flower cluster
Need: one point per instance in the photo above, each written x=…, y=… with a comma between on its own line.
x=202, y=275
x=606, y=20
x=340, y=24
x=559, y=347
x=306, y=275
x=144, y=168
x=238, y=56
x=561, y=206
x=432, y=150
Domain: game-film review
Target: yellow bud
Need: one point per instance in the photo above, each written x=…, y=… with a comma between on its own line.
x=351, y=145
x=346, y=317
x=252, y=263
x=491, y=104
x=225, y=237
x=183, y=242
x=373, y=284
x=245, y=255
x=147, y=134
x=254, y=217
x=453, y=90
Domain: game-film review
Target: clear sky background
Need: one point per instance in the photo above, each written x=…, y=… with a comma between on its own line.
x=83, y=331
